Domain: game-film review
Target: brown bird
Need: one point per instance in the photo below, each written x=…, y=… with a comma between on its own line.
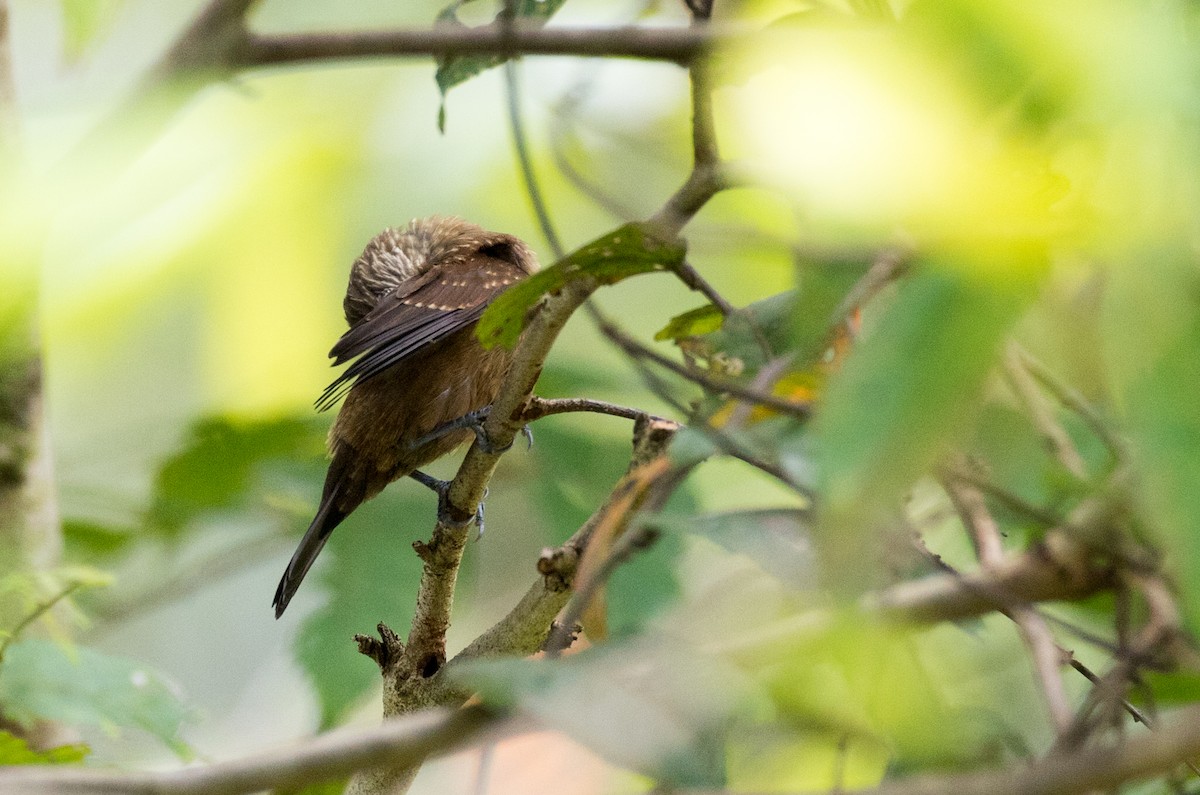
x=412, y=303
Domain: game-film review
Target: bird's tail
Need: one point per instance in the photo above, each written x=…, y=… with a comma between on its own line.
x=328, y=517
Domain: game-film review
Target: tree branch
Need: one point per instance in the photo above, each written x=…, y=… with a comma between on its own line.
x=679, y=45
x=538, y=407
x=1059, y=568
x=331, y=755
x=523, y=631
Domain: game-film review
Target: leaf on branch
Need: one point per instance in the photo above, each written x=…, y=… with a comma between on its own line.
x=626, y=251
x=15, y=751
x=42, y=681
x=693, y=323
x=455, y=69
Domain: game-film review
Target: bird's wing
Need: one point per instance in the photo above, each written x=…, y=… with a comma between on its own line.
x=420, y=312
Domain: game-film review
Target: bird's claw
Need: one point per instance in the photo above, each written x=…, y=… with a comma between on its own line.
x=444, y=514
x=474, y=421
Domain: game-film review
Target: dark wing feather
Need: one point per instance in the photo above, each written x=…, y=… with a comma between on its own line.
x=418, y=313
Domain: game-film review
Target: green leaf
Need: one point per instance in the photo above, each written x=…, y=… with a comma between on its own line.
x=659, y=710
x=1165, y=432
x=693, y=323
x=823, y=287
x=232, y=464
x=905, y=392
x=919, y=694
x=455, y=69
x=84, y=21
x=626, y=251
x=42, y=681
x=88, y=539
x=15, y=751
x=369, y=573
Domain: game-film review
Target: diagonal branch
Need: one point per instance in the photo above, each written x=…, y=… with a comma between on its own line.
x=333, y=755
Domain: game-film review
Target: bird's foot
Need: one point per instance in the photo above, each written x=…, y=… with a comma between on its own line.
x=474, y=421
x=447, y=514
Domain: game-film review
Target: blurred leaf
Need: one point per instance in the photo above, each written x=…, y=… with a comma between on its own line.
x=872, y=684
x=824, y=284
x=28, y=597
x=1016, y=459
x=84, y=21
x=624, y=252
x=998, y=50
x=905, y=391
x=778, y=539
x=41, y=681
x=14, y=751
x=87, y=539
x=227, y=463
x=1165, y=431
x=657, y=709
x=1169, y=688
x=693, y=323
x=774, y=758
x=455, y=69
x=370, y=574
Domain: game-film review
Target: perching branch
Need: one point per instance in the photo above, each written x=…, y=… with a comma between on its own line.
x=538, y=407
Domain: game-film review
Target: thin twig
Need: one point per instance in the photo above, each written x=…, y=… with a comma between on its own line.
x=38, y=611
x=1006, y=498
x=889, y=265
x=635, y=349
x=1075, y=401
x=532, y=187
x=538, y=407
x=694, y=281
x=1041, y=415
x=1044, y=652
x=721, y=439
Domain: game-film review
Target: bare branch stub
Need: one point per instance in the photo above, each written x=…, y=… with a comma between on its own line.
x=384, y=650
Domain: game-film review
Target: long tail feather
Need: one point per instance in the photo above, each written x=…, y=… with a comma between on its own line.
x=328, y=517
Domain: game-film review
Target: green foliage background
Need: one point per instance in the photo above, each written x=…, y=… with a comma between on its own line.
x=1034, y=163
